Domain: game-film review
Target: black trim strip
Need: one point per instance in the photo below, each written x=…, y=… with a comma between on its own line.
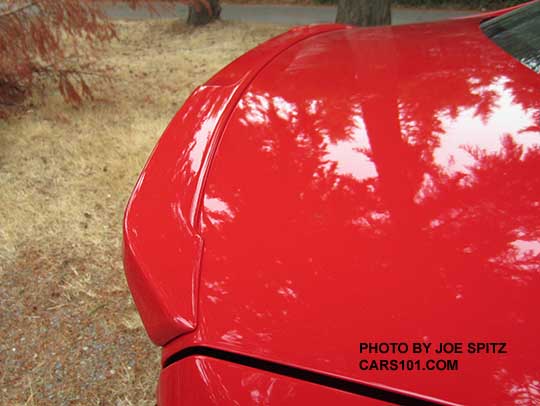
x=356, y=388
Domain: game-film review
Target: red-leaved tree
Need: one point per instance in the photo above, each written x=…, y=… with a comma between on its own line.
x=56, y=39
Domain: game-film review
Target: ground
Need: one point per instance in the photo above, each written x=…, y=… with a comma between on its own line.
x=70, y=333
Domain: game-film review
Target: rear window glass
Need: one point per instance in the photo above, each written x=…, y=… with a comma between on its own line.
x=518, y=33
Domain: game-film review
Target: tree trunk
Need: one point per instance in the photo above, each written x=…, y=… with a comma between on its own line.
x=201, y=14
x=364, y=12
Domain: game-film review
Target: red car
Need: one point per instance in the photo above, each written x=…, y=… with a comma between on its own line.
x=350, y=216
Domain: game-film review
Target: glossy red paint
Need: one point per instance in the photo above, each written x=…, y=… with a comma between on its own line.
x=204, y=381
x=365, y=185
x=380, y=185
x=162, y=248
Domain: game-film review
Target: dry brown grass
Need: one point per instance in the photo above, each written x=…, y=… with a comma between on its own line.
x=69, y=331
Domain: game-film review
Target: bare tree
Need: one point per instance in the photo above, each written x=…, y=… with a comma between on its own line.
x=364, y=12
x=201, y=14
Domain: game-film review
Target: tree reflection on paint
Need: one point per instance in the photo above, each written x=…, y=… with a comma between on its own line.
x=429, y=175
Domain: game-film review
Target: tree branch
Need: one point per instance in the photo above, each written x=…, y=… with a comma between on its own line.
x=17, y=10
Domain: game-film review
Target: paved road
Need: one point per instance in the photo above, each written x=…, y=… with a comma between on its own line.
x=286, y=15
